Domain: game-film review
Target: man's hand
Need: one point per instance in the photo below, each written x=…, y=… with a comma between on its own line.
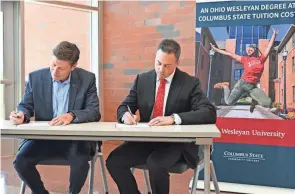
x=160, y=121
x=17, y=118
x=64, y=119
x=129, y=119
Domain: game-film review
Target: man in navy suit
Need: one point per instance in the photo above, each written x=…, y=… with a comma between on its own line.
x=61, y=94
x=163, y=96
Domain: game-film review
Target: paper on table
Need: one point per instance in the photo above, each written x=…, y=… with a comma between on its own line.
x=139, y=125
x=35, y=124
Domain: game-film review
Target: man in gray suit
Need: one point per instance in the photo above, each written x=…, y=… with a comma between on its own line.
x=61, y=94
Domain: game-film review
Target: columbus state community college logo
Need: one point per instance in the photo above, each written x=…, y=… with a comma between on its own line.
x=243, y=156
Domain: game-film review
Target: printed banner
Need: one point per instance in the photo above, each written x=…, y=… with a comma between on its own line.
x=245, y=62
x=245, y=12
x=255, y=131
x=254, y=164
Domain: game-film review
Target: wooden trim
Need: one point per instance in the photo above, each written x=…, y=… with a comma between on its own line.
x=65, y=5
x=100, y=59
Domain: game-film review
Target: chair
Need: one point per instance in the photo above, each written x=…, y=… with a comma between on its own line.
x=93, y=159
x=180, y=168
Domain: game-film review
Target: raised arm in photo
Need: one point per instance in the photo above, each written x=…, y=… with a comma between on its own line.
x=225, y=52
x=271, y=42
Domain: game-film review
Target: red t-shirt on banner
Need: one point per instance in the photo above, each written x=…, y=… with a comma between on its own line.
x=253, y=68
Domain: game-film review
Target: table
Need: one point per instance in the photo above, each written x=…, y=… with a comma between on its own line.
x=199, y=134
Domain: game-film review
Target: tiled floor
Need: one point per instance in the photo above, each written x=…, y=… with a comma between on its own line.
x=56, y=178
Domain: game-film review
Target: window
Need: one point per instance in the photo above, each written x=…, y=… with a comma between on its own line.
x=11, y=55
x=293, y=93
x=218, y=73
x=273, y=74
x=2, y=91
x=202, y=62
x=293, y=41
x=293, y=64
x=239, y=50
x=29, y=31
x=84, y=2
x=239, y=32
x=73, y=21
x=10, y=66
x=263, y=32
x=232, y=32
x=238, y=73
x=198, y=37
x=41, y=34
x=255, y=32
x=272, y=95
x=204, y=41
x=247, y=31
x=247, y=45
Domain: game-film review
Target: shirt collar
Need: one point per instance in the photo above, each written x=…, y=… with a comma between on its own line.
x=65, y=82
x=169, y=78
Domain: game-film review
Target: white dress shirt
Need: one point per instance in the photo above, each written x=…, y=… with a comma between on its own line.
x=167, y=88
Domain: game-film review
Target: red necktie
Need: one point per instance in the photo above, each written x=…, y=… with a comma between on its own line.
x=159, y=103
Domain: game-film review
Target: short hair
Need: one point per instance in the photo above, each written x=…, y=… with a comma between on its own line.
x=170, y=46
x=67, y=51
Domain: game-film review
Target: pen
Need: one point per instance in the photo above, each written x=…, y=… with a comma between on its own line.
x=16, y=113
x=129, y=110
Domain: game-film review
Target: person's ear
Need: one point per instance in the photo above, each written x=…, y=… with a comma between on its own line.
x=74, y=66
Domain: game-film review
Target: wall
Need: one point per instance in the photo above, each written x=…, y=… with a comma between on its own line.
x=230, y=46
x=221, y=72
x=264, y=81
x=132, y=32
x=202, y=66
x=51, y=26
x=203, y=59
x=273, y=73
x=290, y=77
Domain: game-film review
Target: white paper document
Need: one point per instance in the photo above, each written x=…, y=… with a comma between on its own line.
x=139, y=125
x=35, y=124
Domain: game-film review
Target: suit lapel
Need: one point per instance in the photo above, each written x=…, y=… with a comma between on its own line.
x=47, y=91
x=175, y=88
x=74, y=86
x=151, y=91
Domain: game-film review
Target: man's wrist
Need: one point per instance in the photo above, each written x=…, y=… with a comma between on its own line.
x=173, y=118
x=73, y=115
x=122, y=118
x=176, y=118
x=26, y=119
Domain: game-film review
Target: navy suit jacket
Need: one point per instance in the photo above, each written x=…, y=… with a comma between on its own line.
x=83, y=98
x=185, y=98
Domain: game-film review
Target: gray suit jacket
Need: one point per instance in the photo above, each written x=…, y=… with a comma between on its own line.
x=83, y=99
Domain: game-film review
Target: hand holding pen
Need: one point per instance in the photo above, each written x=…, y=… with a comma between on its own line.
x=16, y=117
x=129, y=118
